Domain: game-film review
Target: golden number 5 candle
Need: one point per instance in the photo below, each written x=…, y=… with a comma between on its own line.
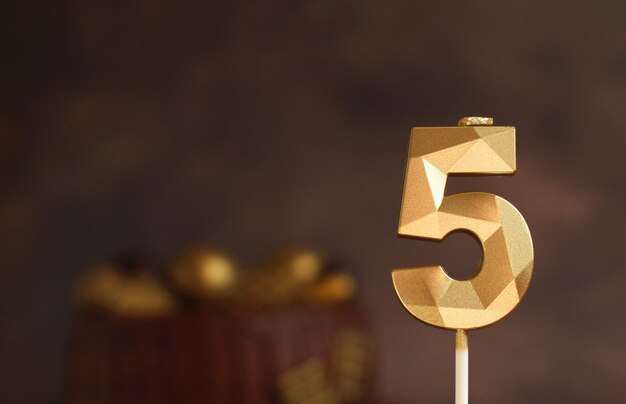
x=428, y=293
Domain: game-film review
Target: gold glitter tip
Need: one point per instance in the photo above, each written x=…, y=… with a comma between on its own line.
x=475, y=121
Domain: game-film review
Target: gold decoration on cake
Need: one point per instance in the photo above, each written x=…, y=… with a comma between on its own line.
x=204, y=273
x=111, y=289
x=284, y=277
x=307, y=383
x=289, y=276
x=298, y=266
x=315, y=382
x=331, y=289
x=353, y=355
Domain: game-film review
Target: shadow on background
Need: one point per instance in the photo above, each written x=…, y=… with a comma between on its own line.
x=248, y=125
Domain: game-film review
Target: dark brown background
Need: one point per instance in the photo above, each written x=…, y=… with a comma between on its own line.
x=247, y=125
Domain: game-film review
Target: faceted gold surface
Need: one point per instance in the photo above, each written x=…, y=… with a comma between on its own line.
x=428, y=293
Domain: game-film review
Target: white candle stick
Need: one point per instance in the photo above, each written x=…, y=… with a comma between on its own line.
x=462, y=368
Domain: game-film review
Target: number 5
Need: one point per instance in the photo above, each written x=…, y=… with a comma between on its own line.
x=428, y=293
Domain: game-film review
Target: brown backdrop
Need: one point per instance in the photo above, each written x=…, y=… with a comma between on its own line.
x=153, y=124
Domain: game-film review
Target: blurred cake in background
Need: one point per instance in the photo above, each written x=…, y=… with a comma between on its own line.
x=288, y=331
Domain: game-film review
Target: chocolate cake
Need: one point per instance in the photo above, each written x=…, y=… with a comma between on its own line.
x=302, y=341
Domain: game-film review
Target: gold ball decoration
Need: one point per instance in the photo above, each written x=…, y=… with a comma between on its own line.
x=332, y=289
x=204, y=273
x=108, y=288
x=284, y=276
x=298, y=266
